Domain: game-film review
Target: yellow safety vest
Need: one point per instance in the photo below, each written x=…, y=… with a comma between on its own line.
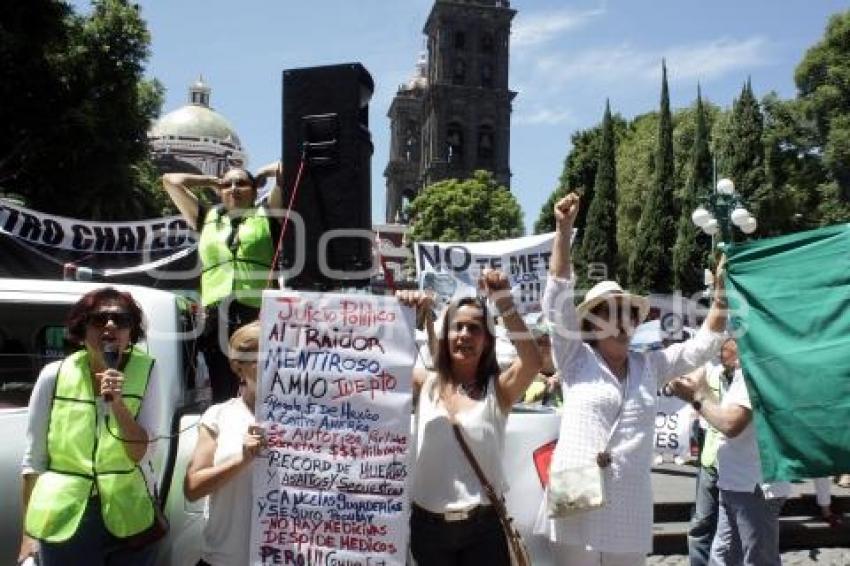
x=79, y=457
x=244, y=274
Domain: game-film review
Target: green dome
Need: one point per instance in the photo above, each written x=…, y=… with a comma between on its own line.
x=195, y=121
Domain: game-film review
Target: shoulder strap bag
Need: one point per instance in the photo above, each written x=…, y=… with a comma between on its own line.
x=516, y=546
x=581, y=488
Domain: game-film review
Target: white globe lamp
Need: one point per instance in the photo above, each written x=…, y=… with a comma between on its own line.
x=700, y=216
x=711, y=227
x=740, y=216
x=749, y=226
x=725, y=186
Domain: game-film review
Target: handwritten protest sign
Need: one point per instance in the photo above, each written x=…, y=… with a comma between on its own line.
x=334, y=400
x=451, y=270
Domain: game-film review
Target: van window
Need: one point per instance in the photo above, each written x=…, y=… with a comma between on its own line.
x=31, y=336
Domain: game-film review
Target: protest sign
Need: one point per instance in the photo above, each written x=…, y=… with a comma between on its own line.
x=451, y=270
x=155, y=235
x=334, y=401
x=673, y=418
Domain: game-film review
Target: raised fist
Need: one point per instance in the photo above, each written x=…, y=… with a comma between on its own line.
x=566, y=210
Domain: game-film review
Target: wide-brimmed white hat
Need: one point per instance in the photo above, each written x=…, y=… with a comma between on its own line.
x=608, y=291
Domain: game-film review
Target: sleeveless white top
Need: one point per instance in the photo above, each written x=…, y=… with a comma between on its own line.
x=443, y=479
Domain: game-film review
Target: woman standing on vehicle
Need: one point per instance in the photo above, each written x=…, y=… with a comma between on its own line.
x=452, y=521
x=228, y=441
x=609, y=403
x=236, y=249
x=85, y=497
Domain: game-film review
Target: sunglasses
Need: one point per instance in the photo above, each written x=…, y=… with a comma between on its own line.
x=624, y=312
x=239, y=184
x=120, y=319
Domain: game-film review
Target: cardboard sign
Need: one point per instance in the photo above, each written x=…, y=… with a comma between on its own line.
x=334, y=401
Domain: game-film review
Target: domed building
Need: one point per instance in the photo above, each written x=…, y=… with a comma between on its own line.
x=195, y=138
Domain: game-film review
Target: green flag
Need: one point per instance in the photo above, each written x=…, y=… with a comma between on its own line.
x=790, y=300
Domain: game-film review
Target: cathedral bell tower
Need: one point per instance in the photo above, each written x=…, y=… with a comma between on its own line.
x=454, y=116
x=467, y=109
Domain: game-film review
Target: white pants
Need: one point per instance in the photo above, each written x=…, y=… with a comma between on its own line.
x=823, y=491
x=576, y=555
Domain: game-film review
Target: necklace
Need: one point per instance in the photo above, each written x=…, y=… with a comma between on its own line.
x=471, y=389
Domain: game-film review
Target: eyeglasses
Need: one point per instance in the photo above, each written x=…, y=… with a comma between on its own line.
x=121, y=319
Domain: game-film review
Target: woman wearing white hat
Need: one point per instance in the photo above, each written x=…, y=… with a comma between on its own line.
x=609, y=404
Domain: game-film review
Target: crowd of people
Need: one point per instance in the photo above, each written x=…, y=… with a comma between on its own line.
x=87, y=502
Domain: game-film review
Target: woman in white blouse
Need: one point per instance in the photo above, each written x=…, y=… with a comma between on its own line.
x=610, y=392
x=221, y=467
x=452, y=520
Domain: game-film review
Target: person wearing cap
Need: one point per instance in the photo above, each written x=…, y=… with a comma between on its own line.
x=609, y=403
x=236, y=249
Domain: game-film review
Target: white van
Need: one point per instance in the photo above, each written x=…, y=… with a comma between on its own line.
x=32, y=315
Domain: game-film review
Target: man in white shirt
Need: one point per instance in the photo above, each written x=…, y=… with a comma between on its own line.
x=748, y=523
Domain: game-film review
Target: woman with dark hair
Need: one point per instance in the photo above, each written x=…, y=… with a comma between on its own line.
x=236, y=248
x=84, y=495
x=609, y=405
x=452, y=521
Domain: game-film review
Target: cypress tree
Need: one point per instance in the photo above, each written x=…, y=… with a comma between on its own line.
x=690, y=254
x=599, y=244
x=650, y=268
x=742, y=152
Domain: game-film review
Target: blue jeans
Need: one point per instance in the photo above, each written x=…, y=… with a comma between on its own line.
x=93, y=545
x=747, y=529
x=704, y=520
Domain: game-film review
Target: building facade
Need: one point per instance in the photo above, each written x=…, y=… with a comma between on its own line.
x=453, y=116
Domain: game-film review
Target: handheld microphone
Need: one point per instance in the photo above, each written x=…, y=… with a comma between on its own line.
x=110, y=358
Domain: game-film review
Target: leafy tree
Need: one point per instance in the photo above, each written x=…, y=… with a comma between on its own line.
x=635, y=173
x=824, y=91
x=649, y=265
x=599, y=245
x=690, y=253
x=741, y=155
x=74, y=139
x=579, y=174
x=546, y=219
x=477, y=209
x=824, y=97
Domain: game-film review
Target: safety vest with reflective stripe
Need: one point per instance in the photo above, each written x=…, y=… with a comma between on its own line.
x=78, y=457
x=243, y=273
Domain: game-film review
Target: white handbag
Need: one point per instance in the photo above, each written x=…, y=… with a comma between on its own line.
x=576, y=489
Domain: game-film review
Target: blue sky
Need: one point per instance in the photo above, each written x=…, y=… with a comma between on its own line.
x=566, y=59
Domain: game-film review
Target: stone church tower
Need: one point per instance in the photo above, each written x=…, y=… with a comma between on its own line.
x=454, y=116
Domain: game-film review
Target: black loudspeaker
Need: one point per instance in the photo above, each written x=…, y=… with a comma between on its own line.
x=326, y=124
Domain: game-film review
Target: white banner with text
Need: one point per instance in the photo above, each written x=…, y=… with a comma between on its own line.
x=451, y=270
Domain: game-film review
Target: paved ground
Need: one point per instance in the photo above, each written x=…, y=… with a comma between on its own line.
x=672, y=483
x=819, y=557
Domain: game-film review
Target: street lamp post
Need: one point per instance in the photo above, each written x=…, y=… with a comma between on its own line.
x=720, y=210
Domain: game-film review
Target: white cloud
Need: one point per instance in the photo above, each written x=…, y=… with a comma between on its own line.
x=540, y=27
x=626, y=64
x=542, y=116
